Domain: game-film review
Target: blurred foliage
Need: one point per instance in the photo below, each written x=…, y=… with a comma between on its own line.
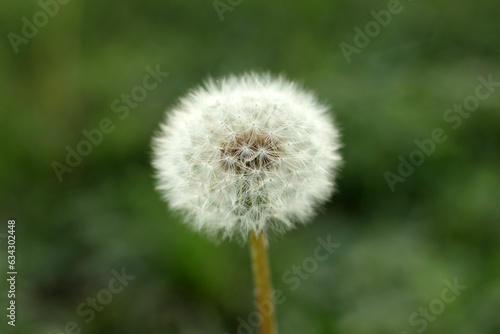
x=397, y=247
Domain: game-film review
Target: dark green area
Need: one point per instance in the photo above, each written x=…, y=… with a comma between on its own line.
x=396, y=247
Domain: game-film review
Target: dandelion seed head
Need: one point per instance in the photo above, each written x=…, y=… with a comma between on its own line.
x=250, y=153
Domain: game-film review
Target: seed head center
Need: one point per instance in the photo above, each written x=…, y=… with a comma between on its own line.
x=249, y=153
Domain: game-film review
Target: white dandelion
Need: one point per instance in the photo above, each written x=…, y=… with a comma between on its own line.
x=247, y=154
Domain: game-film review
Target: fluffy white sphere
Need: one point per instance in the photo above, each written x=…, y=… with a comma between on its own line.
x=250, y=153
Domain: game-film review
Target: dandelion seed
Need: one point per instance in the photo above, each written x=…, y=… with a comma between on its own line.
x=226, y=140
x=244, y=157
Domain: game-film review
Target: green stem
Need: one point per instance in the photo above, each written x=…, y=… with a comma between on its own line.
x=262, y=281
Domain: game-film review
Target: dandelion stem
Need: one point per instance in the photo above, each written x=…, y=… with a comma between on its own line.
x=262, y=281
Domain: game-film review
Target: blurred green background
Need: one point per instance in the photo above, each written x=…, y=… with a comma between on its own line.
x=396, y=247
